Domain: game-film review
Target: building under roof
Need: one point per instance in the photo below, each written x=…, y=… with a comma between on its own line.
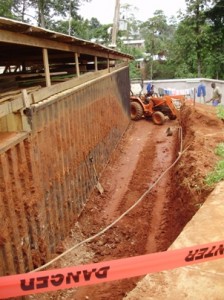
x=29, y=52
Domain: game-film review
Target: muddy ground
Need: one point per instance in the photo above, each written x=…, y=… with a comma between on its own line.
x=143, y=160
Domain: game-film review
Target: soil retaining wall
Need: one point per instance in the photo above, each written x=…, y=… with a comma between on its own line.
x=46, y=176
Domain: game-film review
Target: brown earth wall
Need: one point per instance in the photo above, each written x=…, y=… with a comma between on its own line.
x=46, y=178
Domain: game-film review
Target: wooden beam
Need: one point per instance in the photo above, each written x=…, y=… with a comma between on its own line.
x=8, y=140
x=4, y=109
x=46, y=67
x=14, y=122
x=108, y=64
x=11, y=95
x=77, y=64
x=29, y=40
x=17, y=104
x=44, y=93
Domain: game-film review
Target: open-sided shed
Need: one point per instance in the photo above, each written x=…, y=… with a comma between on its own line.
x=64, y=105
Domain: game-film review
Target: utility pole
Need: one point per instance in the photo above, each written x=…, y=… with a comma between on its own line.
x=115, y=24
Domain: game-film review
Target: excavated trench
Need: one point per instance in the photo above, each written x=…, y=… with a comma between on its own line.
x=143, y=161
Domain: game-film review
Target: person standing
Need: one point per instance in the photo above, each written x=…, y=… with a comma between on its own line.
x=216, y=96
x=201, y=93
x=150, y=90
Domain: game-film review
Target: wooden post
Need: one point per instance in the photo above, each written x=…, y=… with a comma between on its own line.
x=26, y=121
x=25, y=98
x=77, y=64
x=194, y=96
x=26, y=114
x=108, y=64
x=46, y=67
x=96, y=63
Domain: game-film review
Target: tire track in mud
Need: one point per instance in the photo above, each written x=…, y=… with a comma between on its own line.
x=156, y=156
x=122, y=172
x=165, y=147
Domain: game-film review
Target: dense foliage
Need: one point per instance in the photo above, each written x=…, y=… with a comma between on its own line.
x=43, y=13
x=217, y=174
x=190, y=46
x=197, y=48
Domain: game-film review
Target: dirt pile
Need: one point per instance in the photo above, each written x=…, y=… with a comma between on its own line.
x=142, y=162
x=202, y=132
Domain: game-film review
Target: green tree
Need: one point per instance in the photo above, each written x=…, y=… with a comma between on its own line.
x=215, y=57
x=46, y=12
x=99, y=33
x=78, y=27
x=197, y=48
x=127, y=15
x=13, y=9
x=84, y=29
x=5, y=8
x=135, y=71
x=183, y=51
x=157, y=34
x=20, y=8
x=196, y=19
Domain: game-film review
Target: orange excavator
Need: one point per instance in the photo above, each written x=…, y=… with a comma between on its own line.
x=155, y=107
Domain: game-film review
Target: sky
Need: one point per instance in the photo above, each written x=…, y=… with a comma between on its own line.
x=103, y=10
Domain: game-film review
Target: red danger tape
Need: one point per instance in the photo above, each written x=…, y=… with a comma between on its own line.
x=71, y=277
